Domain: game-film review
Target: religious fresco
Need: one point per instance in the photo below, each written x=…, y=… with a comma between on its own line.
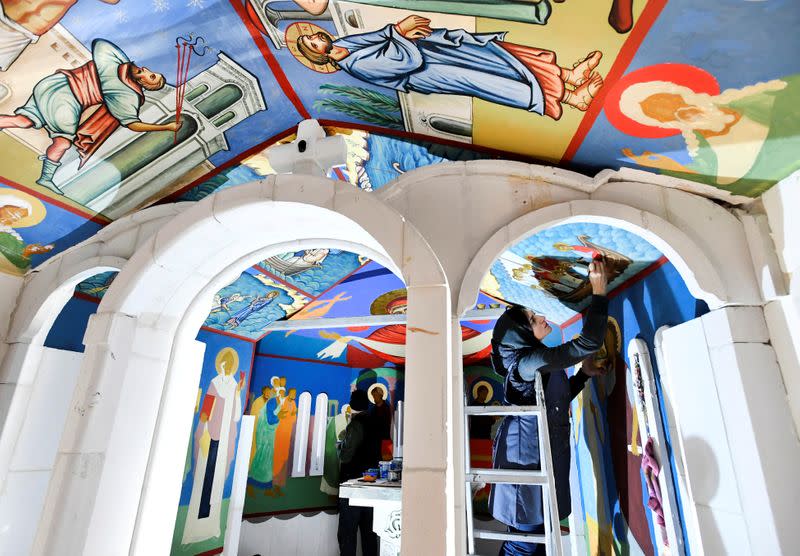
x=276, y=483
x=549, y=270
x=208, y=473
x=96, y=286
x=99, y=120
x=619, y=513
x=27, y=239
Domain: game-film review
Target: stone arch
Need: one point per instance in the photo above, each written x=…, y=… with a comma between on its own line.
x=692, y=261
x=148, y=319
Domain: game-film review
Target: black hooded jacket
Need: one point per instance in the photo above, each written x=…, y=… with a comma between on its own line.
x=518, y=356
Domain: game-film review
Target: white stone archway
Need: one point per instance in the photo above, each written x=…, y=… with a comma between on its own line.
x=439, y=227
x=113, y=490
x=43, y=295
x=470, y=212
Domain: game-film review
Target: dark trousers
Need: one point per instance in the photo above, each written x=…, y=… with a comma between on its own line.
x=351, y=520
x=208, y=480
x=517, y=548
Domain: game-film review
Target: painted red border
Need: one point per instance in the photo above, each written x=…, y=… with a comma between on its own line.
x=92, y=217
x=282, y=281
x=172, y=197
x=638, y=277
x=623, y=60
x=313, y=298
x=302, y=359
x=226, y=333
x=86, y=297
x=272, y=62
x=210, y=552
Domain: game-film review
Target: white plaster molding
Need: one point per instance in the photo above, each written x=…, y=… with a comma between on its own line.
x=650, y=178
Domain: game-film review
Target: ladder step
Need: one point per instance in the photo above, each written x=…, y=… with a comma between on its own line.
x=503, y=536
x=513, y=476
x=503, y=410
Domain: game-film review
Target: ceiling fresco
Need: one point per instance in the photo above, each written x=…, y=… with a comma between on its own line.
x=548, y=271
x=107, y=106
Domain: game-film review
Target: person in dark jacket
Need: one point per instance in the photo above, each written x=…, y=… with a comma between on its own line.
x=359, y=450
x=518, y=354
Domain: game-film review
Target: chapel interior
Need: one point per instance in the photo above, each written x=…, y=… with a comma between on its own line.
x=220, y=218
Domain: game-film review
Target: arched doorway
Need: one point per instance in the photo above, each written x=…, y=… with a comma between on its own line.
x=145, y=321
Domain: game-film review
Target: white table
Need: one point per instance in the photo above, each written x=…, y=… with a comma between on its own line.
x=385, y=499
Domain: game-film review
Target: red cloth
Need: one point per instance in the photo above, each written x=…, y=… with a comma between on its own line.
x=85, y=85
x=396, y=334
x=542, y=64
x=208, y=405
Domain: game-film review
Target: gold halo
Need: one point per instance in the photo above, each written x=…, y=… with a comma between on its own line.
x=482, y=383
x=38, y=210
x=305, y=28
x=616, y=334
x=381, y=387
x=378, y=306
x=227, y=355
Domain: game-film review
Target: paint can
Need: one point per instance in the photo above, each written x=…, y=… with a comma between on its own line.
x=384, y=467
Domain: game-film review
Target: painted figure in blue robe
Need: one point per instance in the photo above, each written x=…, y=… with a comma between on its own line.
x=518, y=354
x=411, y=56
x=256, y=305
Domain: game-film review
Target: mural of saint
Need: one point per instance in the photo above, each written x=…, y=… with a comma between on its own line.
x=22, y=22
x=222, y=302
x=110, y=84
x=256, y=305
x=566, y=278
x=214, y=447
x=18, y=210
x=743, y=140
x=412, y=56
x=287, y=417
x=264, y=450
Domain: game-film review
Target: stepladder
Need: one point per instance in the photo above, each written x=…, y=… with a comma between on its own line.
x=542, y=478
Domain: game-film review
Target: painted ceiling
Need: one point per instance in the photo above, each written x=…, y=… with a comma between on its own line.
x=547, y=271
x=107, y=106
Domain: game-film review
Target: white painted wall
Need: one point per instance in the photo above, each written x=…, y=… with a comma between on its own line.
x=296, y=535
x=739, y=449
x=783, y=313
x=22, y=497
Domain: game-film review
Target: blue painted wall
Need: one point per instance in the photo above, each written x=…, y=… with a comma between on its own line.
x=659, y=298
x=70, y=325
x=214, y=343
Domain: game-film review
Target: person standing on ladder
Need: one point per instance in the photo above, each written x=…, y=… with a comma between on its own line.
x=518, y=354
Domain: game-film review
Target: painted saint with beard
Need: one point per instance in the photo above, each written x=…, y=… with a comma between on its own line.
x=411, y=56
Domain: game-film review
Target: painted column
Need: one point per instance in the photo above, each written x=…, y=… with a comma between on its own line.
x=427, y=472
x=738, y=443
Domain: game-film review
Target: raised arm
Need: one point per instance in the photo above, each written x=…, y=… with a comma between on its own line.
x=549, y=359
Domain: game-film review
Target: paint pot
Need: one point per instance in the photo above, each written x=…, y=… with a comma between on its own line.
x=384, y=467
